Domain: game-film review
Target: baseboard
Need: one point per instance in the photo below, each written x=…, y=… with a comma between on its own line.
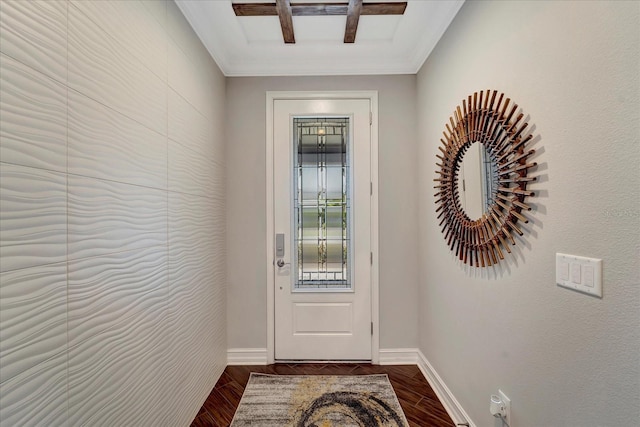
x=398, y=356
x=247, y=356
x=413, y=356
x=450, y=403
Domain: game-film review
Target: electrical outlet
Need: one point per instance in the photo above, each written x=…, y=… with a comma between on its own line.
x=507, y=407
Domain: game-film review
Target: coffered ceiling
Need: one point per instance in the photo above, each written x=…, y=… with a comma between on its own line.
x=382, y=44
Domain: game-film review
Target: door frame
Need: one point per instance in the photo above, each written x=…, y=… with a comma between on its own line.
x=272, y=96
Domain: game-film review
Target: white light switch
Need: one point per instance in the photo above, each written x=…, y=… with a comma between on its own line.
x=575, y=273
x=579, y=273
x=588, y=275
x=563, y=270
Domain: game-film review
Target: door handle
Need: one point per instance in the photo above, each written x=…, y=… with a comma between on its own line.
x=280, y=263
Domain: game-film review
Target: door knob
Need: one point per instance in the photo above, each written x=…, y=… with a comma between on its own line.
x=280, y=263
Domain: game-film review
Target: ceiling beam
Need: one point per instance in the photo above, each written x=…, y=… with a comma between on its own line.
x=353, y=16
x=283, y=7
x=285, y=10
x=318, y=9
x=383, y=8
x=255, y=9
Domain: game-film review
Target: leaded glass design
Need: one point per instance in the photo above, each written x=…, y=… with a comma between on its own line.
x=322, y=203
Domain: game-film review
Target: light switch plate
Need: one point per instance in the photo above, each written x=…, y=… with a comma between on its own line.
x=579, y=273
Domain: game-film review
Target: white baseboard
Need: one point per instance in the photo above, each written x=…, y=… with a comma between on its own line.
x=413, y=356
x=247, y=356
x=450, y=403
x=398, y=356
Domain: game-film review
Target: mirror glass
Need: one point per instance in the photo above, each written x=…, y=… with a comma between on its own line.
x=477, y=181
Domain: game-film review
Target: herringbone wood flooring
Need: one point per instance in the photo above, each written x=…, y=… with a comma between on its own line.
x=418, y=401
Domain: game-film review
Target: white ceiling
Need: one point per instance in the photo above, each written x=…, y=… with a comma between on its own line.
x=253, y=45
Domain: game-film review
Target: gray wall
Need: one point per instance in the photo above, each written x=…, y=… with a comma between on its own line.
x=112, y=296
x=246, y=217
x=564, y=358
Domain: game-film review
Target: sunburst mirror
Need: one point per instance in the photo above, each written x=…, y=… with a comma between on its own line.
x=484, y=142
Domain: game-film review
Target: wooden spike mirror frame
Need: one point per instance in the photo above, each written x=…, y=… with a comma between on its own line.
x=491, y=122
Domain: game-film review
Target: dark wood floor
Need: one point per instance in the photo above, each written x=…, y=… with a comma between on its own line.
x=418, y=401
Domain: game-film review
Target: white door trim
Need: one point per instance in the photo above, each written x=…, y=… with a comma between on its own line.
x=372, y=96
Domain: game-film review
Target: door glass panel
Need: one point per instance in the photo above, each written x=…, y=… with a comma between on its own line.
x=322, y=203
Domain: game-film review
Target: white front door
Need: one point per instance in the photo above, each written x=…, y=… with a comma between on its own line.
x=322, y=224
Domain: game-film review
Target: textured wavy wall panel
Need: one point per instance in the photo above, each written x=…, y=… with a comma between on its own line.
x=180, y=64
x=180, y=32
x=33, y=329
x=108, y=290
x=217, y=128
x=196, y=276
x=106, y=216
x=33, y=217
x=105, y=144
x=188, y=124
x=32, y=122
x=158, y=9
x=103, y=70
x=190, y=172
x=130, y=27
x=197, y=61
x=33, y=341
x=37, y=397
x=117, y=328
x=112, y=276
x=35, y=33
x=193, y=251
x=193, y=59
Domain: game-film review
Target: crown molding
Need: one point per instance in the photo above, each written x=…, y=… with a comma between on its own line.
x=218, y=28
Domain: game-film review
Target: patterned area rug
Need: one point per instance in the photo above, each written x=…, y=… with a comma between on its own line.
x=319, y=401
